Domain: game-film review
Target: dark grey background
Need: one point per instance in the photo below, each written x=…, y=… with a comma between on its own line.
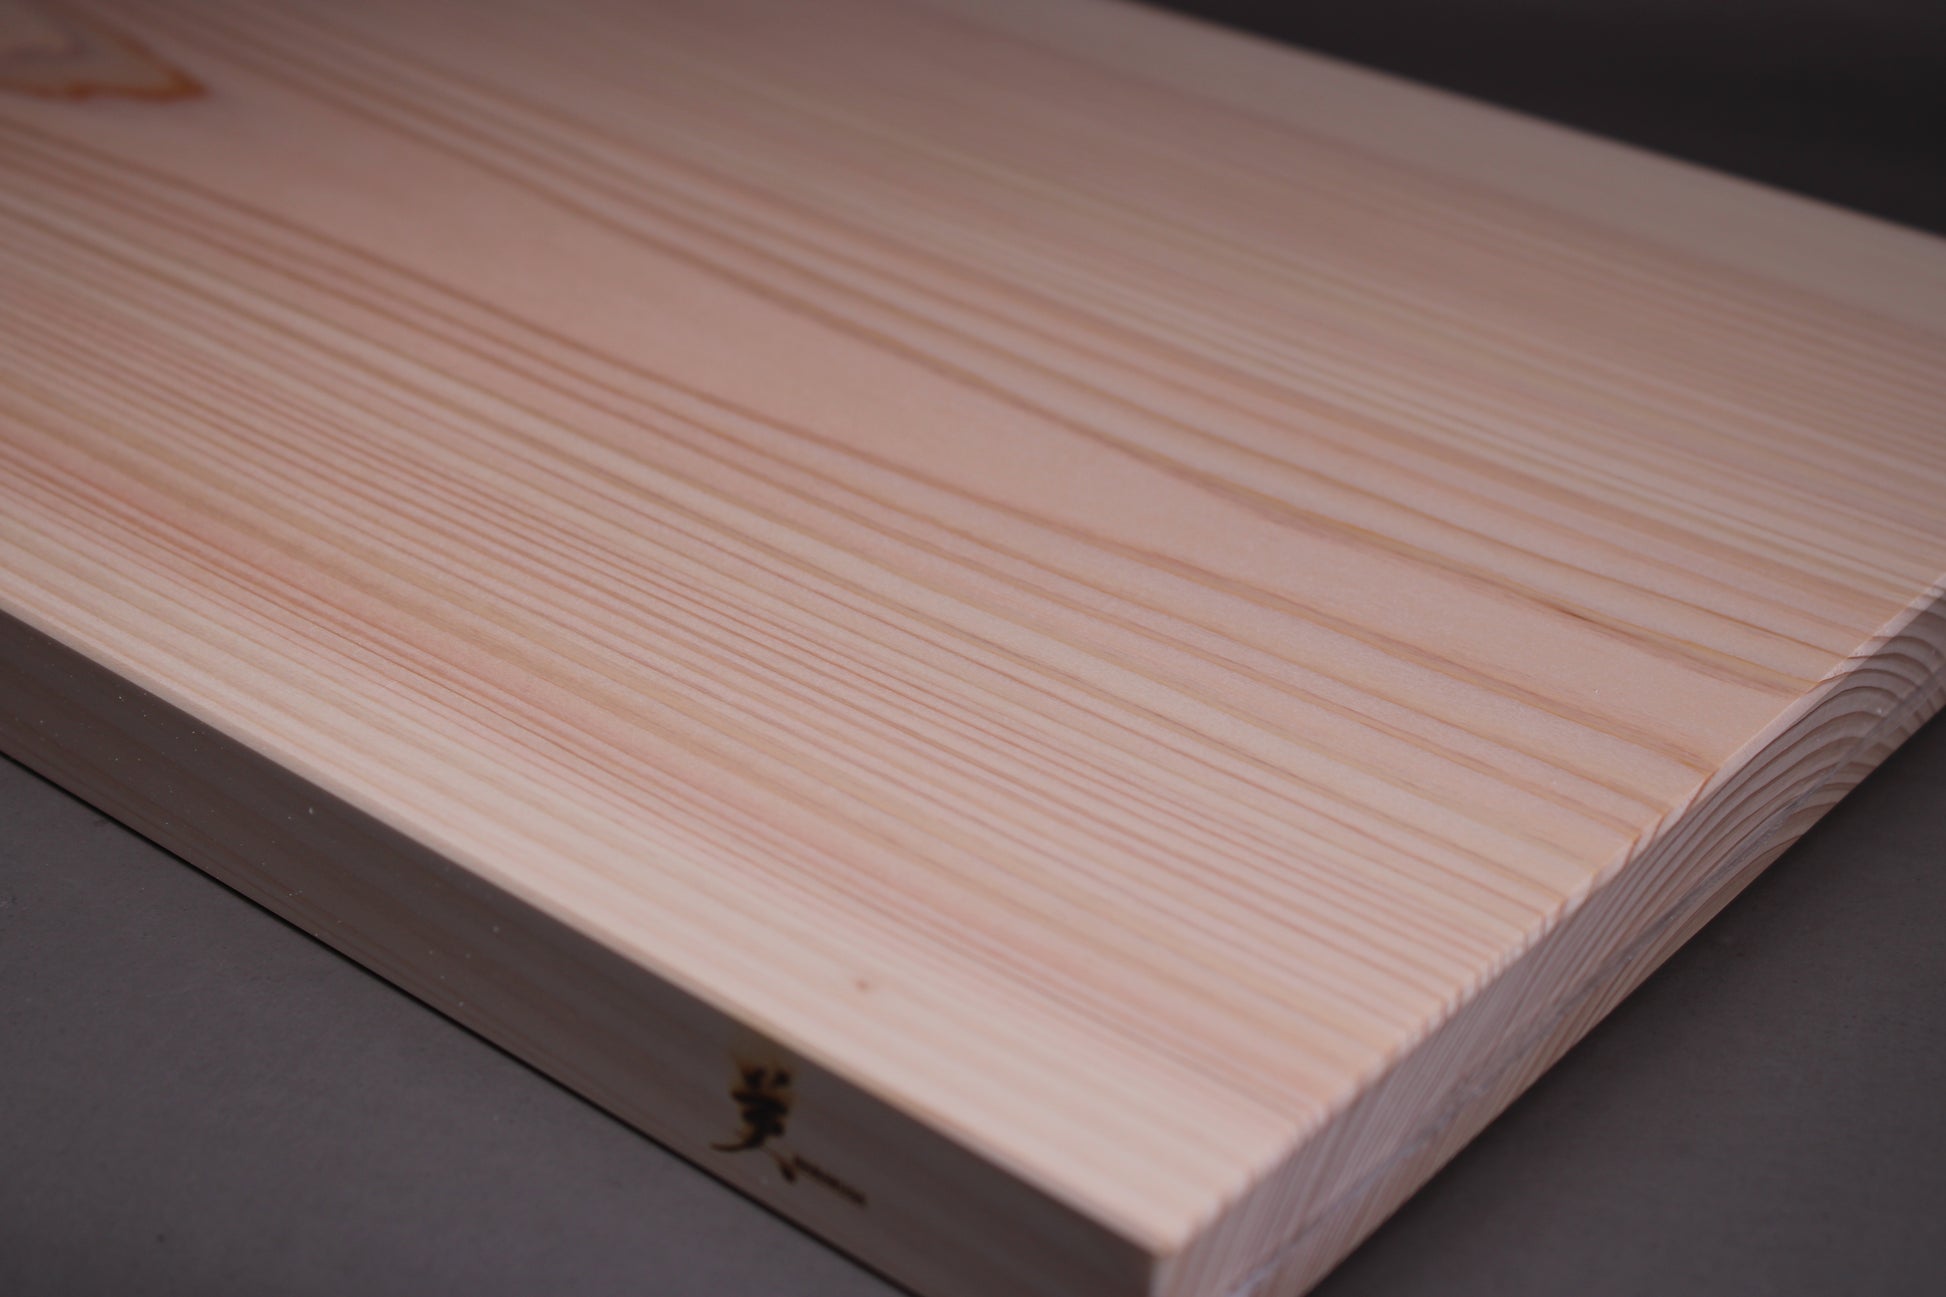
x=197, y=1099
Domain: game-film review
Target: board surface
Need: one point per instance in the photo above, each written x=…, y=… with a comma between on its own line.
x=1180, y=653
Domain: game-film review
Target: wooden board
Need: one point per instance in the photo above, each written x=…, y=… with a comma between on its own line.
x=1065, y=644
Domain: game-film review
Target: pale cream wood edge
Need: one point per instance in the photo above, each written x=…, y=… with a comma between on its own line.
x=1331, y=1192
x=1770, y=233
x=648, y=1052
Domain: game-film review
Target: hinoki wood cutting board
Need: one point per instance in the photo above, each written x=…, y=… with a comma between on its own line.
x=1065, y=644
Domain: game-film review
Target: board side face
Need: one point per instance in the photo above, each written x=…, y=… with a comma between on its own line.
x=878, y=1182
x=1094, y=580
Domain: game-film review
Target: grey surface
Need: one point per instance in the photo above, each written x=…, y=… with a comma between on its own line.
x=196, y=1098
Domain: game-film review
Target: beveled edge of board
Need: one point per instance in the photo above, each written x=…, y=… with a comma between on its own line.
x=1366, y=1158
x=877, y=1182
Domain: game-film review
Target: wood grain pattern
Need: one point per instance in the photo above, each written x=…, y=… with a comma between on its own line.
x=1066, y=644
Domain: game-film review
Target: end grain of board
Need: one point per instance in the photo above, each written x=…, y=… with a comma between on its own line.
x=1065, y=644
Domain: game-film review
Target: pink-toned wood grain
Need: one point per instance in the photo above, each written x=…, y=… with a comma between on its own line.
x=1065, y=644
